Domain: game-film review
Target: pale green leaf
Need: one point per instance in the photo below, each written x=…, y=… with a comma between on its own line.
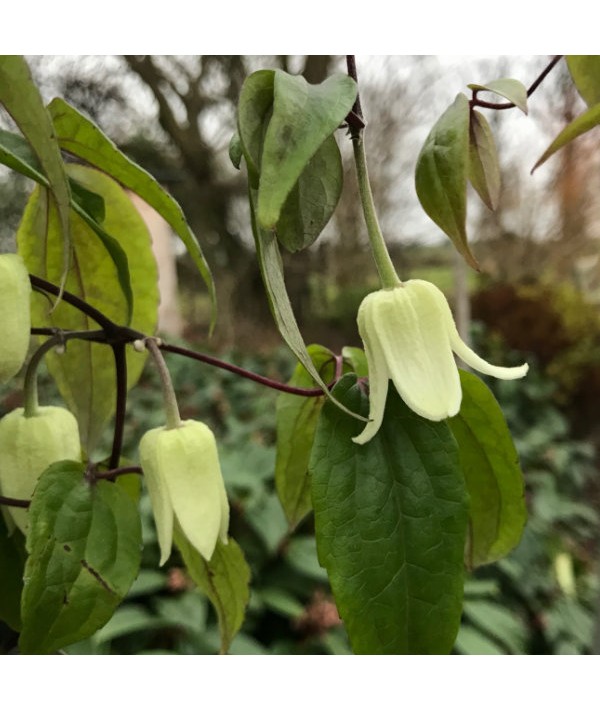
x=510, y=89
x=582, y=124
x=271, y=267
x=16, y=153
x=23, y=101
x=82, y=138
x=224, y=580
x=585, y=70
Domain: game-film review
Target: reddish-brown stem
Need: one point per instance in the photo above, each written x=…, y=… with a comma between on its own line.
x=509, y=105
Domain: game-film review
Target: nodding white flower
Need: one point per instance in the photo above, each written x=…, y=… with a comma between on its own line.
x=184, y=480
x=409, y=335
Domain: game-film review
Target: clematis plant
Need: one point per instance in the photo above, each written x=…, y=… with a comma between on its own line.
x=409, y=335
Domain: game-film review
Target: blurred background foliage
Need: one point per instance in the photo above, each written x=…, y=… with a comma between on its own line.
x=536, y=299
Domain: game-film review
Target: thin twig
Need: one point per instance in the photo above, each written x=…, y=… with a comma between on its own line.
x=112, y=474
x=242, y=372
x=121, y=404
x=17, y=503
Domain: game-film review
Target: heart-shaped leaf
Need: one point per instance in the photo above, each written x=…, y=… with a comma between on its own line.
x=391, y=523
x=304, y=115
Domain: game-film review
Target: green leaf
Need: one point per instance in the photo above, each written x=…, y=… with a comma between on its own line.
x=235, y=150
x=224, y=580
x=313, y=199
x=490, y=465
x=84, y=544
x=472, y=641
x=441, y=174
x=16, y=153
x=23, y=101
x=585, y=70
x=88, y=201
x=296, y=418
x=12, y=562
x=82, y=138
x=254, y=110
x=499, y=623
x=484, y=169
x=85, y=373
x=510, y=89
x=271, y=268
x=357, y=360
x=304, y=115
x=582, y=124
x=391, y=522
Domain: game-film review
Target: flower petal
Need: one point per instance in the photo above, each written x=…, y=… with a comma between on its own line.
x=194, y=485
x=412, y=326
x=378, y=374
x=471, y=358
x=157, y=488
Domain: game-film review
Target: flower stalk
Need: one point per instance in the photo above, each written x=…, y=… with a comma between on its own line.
x=387, y=272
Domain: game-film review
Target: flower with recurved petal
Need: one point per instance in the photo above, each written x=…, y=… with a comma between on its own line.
x=409, y=335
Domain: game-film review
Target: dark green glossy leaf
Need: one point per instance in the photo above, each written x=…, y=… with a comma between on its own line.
x=82, y=138
x=254, y=110
x=84, y=546
x=85, y=372
x=585, y=70
x=271, y=267
x=304, y=115
x=23, y=101
x=490, y=465
x=484, y=169
x=224, y=580
x=296, y=422
x=391, y=523
x=16, y=153
x=582, y=124
x=12, y=562
x=441, y=174
x=510, y=89
x=313, y=199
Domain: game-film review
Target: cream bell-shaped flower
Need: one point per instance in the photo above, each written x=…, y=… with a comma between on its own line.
x=184, y=480
x=409, y=335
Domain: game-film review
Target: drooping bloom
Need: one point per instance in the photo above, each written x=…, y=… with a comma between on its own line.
x=184, y=480
x=409, y=335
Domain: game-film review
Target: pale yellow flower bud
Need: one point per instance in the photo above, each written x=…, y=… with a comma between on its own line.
x=184, y=480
